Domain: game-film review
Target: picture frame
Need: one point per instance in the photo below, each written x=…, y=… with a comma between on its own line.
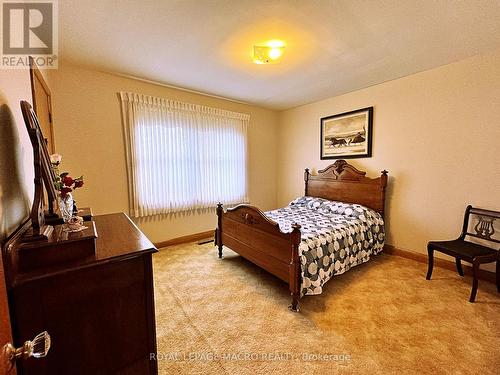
x=347, y=135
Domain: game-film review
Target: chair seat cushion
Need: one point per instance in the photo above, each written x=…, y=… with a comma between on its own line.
x=463, y=249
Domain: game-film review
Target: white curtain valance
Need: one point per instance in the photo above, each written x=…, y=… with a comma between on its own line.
x=180, y=106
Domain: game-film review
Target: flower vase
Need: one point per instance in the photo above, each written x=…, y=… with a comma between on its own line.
x=66, y=207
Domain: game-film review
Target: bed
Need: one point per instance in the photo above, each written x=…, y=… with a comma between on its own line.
x=337, y=224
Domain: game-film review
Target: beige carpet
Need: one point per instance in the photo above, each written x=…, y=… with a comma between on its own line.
x=229, y=317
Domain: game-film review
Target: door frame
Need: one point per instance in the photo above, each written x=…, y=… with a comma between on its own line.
x=36, y=74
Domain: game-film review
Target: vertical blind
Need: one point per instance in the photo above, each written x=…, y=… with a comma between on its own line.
x=182, y=156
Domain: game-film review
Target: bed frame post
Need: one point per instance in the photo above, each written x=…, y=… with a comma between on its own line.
x=383, y=183
x=218, y=231
x=306, y=180
x=295, y=274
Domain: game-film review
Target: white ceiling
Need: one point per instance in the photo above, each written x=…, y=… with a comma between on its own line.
x=333, y=46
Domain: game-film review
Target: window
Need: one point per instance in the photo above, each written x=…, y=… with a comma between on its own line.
x=183, y=156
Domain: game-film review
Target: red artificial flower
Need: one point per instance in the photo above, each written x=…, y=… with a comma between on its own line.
x=67, y=180
x=65, y=191
x=78, y=183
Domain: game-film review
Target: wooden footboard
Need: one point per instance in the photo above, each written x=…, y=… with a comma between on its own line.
x=246, y=230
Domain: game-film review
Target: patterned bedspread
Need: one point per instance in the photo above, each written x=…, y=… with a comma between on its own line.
x=335, y=237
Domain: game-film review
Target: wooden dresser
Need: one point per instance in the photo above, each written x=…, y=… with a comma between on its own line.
x=99, y=311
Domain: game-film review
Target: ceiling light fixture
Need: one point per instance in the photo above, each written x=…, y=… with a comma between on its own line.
x=269, y=52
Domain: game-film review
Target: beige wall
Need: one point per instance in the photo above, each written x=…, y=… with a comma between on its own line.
x=436, y=132
x=16, y=153
x=89, y=135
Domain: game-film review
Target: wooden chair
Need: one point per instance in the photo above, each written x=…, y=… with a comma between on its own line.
x=474, y=253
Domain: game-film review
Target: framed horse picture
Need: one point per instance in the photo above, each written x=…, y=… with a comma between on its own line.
x=347, y=135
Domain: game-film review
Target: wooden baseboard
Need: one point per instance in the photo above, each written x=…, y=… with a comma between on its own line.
x=388, y=249
x=438, y=262
x=184, y=239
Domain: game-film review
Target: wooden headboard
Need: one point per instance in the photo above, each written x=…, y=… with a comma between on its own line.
x=343, y=182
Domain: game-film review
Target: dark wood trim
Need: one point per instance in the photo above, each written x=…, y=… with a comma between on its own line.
x=438, y=262
x=184, y=239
